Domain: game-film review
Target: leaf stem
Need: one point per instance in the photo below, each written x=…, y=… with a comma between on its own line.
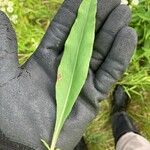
x=54, y=140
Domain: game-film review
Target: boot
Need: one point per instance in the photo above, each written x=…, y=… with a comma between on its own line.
x=121, y=122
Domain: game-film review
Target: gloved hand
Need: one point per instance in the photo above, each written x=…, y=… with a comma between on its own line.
x=27, y=93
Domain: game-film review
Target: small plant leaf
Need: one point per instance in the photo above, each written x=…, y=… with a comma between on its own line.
x=45, y=144
x=73, y=69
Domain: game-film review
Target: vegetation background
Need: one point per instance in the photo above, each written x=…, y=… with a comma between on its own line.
x=30, y=19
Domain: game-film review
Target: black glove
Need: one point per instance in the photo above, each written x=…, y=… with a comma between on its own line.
x=27, y=94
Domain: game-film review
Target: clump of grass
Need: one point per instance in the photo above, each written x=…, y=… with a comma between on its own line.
x=30, y=19
x=99, y=135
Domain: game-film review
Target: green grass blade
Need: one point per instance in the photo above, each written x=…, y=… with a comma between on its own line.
x=74, y=65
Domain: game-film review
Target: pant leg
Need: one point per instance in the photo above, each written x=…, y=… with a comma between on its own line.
x=132, y=141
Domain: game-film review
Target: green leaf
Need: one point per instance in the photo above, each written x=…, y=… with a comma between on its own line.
x=45, y=144
x=73, y=69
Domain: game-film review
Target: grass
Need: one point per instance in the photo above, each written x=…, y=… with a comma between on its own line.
x=30, y=20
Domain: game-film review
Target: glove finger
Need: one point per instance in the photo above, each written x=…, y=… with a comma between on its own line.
x=8, y=47
x=119, y=18
x=59, y=29
x=116, y=61
x=53, y=41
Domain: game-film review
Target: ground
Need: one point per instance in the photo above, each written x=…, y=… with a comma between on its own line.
x=30, y=20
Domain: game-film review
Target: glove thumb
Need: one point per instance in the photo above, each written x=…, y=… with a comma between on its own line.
x=8, y=53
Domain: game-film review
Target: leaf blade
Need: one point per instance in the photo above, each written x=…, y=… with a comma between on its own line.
x=78, y=47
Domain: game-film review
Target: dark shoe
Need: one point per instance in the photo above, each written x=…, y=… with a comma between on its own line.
x=121, y=122
x=120, y=100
